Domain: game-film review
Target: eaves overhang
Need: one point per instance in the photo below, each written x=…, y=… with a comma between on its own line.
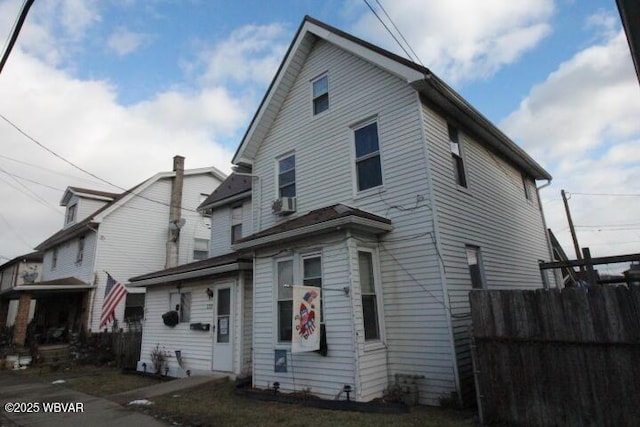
x=191, y=275
x=351, y=222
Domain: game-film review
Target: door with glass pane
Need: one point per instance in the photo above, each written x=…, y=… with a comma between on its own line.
x=223, y=328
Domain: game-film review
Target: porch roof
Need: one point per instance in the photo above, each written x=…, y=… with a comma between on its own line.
x=323, y=220
x=195, y=270
x=58, y=285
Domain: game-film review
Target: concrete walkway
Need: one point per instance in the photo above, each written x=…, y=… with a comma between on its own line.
x=96, y=411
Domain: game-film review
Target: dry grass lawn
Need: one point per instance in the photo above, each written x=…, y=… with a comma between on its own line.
x=98, y=381
x=217, y=405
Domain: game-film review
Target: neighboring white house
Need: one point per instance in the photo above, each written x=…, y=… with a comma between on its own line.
x=376, y=181
x=213, y=297
x=123, y=235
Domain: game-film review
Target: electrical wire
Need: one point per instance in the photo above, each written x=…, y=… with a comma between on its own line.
x=388, y=30
x=38, y=143
x=417, y=58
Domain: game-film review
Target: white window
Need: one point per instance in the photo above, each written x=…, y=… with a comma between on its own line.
x=80, y=253
x=200, y=249
x=71, y=214
x=181, y=302
x=287, y=176
x=312, y=275
x=456, y=156
x=54, y=258
x=206, y=215
x=236, y=224
x=367, y=149
x=525, y=187
x=285, y=299
x=474, y=259
x=320, y=95
x=370, y=301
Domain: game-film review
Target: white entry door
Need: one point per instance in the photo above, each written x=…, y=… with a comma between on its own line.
x=223, y=328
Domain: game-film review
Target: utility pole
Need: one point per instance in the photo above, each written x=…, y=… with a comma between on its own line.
x=16, y=31
x=571, y=228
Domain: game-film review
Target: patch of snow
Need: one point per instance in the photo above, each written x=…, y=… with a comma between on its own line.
x=142, y=402
x=58, y=382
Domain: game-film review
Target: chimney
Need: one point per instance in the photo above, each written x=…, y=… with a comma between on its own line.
x=175, y=211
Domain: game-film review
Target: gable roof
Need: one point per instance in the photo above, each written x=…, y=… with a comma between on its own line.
x=94, y=220
x=30, y=257
x=237, y=186
x=327, y=219
x=419, y=77
x=88, y=193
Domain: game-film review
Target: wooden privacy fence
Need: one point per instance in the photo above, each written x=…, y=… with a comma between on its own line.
x=558, y=358
x=126, y=348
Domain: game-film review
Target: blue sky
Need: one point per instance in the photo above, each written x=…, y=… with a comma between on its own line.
x=132, y=83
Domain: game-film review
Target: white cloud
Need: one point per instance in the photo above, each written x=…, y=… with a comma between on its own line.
x=582, y=123
x=451, y=39
x=83, y=122
x=124, y=42
x=251, y=54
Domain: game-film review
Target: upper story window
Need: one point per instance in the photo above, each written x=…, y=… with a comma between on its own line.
x=320, y=95
x=80, y=253
x=181, y=302
x=54, y=258
x=525, y=187
x=368, y=165
x=236, y=224
x=71, y=214
x=287, y=176
x=369, y=296
x=200, y=249
x=206, y=215
x=474, y=259
x=456, y=156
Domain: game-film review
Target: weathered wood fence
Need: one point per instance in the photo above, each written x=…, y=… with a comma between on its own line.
x=121, y=347
x=558, y=358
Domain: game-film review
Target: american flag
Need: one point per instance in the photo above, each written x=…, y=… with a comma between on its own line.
x=112, y=296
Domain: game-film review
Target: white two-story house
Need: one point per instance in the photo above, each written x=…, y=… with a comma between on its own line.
x=121, y=235
x=213, y=298
x=378, y=183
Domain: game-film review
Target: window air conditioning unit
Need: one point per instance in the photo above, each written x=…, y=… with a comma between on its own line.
x=284, y=205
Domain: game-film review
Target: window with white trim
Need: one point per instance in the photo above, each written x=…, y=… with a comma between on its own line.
x=370, y=314
x=368, y=164
x=287, y=176
x=236, y=224
x=456, y=156
x=200, y=249
x=474, y=260
x=525, y=187
x=80, y=253
x=54, y=258
x=181, y=302
x=206, y=214
x=285, y=299
x=71, y=213
x=320, y=88
x=312, y=276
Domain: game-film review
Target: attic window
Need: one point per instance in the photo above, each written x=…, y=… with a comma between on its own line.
x=71, y=214
x=320, y=95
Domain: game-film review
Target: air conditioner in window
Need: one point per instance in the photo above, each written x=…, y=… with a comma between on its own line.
x=284, y=205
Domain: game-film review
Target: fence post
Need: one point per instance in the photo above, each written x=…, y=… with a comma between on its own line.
x=591, y=274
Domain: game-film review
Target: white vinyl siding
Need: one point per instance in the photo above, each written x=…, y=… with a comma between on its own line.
x=491, y=214
x=221, y=224
x=417, y=333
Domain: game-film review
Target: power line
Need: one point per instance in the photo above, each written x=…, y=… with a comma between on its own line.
x=12, y=229
x=31, y=181
x=29, y=137
x=606, y=194
x=388, y=30
x=30, y=193
x=400, y=32
x=46, y=169
x=16, y=31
